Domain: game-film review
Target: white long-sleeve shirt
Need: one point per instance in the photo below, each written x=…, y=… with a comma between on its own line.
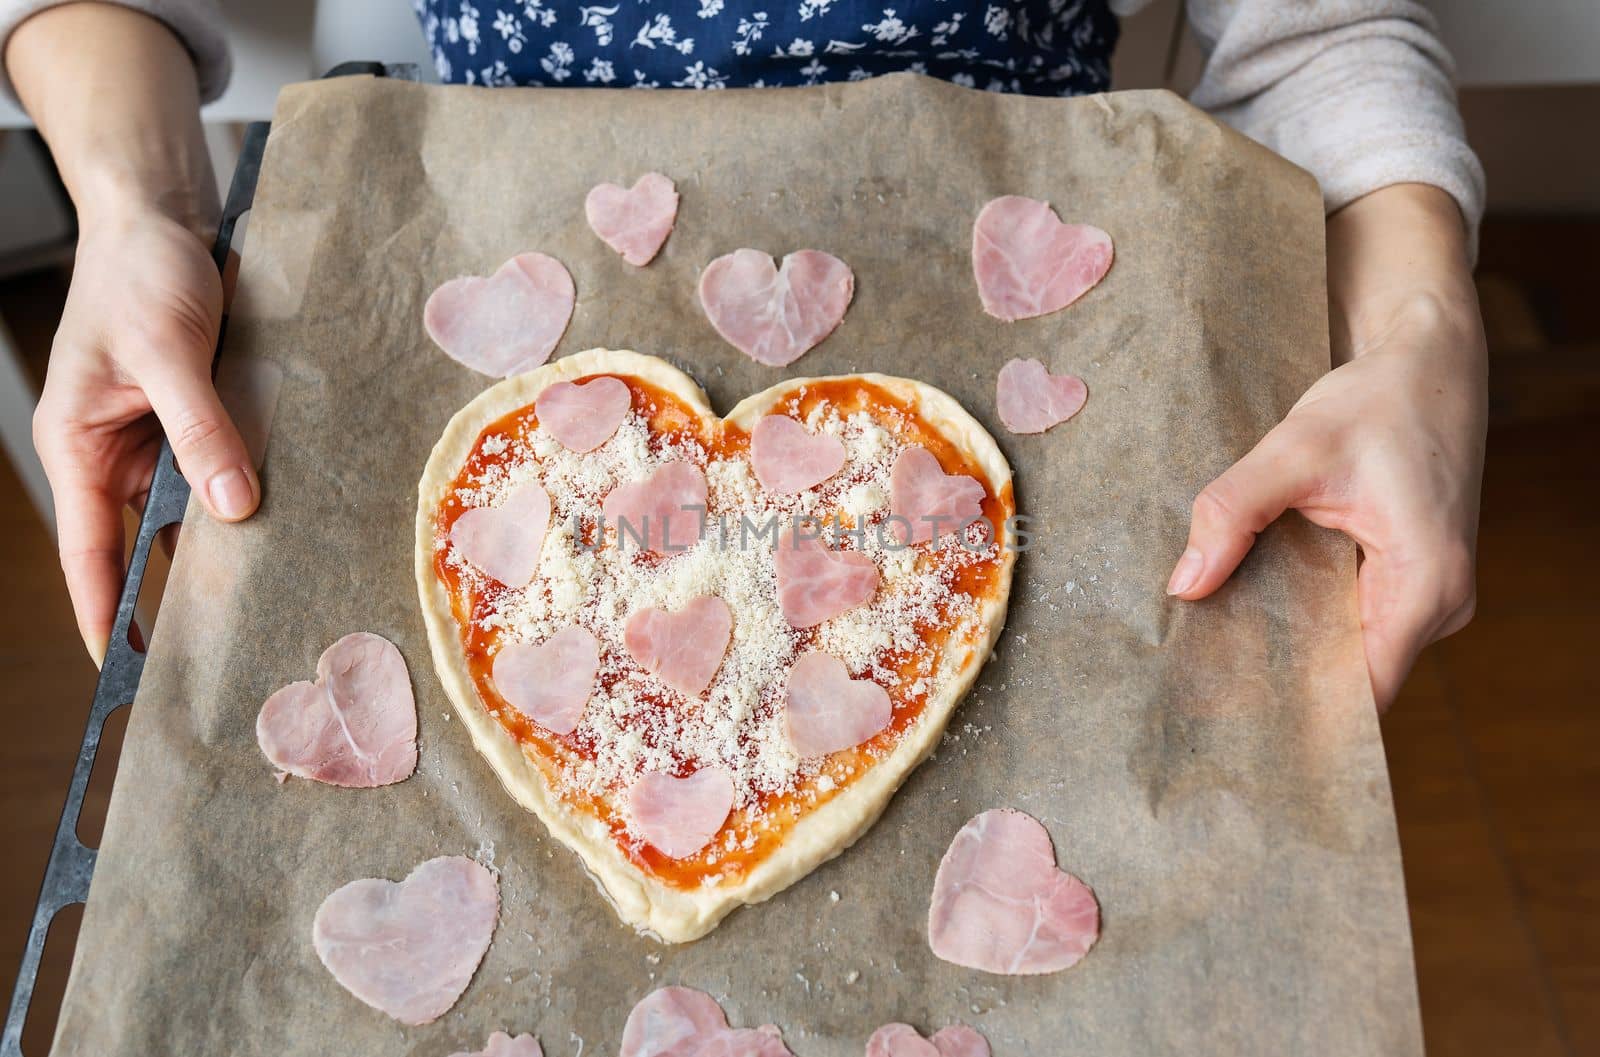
x=1358, y=92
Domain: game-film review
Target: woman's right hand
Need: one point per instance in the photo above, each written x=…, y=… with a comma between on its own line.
x=115, y=95
x=132, y=358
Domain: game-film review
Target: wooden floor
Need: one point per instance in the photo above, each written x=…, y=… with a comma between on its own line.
x=1494, y=752
x=1494, y=746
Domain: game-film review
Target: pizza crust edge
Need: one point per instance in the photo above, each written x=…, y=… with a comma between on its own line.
x=669, y=914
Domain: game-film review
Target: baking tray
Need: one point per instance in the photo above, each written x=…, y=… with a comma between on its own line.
x=71, y=865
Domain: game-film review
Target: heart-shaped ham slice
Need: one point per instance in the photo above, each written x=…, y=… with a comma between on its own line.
x=788, y=459
x=1028, y=263
x=661, y=513
x=930, y=501
x=825, y=710
x=583, y=415
x=1030, y=399
x=507, y=323
x=902, y=1040
x=682, y=649
x=504, y=541
x=773, y=314
x=679, y=816
x=634, y=221
x=356, y=726
x=409, y=948
x=683, y=1022
x=816, y=584
x=1001, y=905
x=551, y=682
x=502, y=1045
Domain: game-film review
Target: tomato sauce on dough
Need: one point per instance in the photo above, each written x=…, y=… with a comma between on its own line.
x=759, y=827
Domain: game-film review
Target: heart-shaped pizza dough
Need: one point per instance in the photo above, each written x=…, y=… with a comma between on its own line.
x=507, y=323
x=758, y=694
x=634, y=221
x=409, y=948
x=774, y=314
x=355, y=726
x=1028, y=263
x=1030, y=399
x=902, y=1040
x=1001, y=905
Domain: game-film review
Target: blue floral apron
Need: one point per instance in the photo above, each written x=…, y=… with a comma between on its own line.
x=1040, y=47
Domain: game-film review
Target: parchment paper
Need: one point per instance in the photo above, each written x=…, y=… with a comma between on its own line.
x=1214, y=771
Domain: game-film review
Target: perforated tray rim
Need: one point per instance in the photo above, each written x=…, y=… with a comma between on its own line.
x=71, y=864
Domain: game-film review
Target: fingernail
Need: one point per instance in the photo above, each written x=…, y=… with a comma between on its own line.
x=1186, y=573
x=97, y=650
x=230, y=493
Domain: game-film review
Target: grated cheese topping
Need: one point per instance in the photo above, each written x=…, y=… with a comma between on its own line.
x=635, y=723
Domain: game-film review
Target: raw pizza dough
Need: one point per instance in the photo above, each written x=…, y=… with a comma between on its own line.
x=672, y=914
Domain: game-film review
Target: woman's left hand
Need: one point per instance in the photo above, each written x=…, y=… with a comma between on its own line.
x=1388, y=446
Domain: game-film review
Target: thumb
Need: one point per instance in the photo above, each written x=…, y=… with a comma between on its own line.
x=210, y=453
x=1408, y=601
x=1234, y=508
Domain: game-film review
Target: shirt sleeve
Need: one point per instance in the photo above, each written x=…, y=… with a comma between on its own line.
x=1359, y=92
x=197, y=23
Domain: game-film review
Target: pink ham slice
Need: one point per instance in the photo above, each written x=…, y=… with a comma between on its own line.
x=682, y=649
x=502, y=1045
x=507, y=323
x=504, y=541
x=584, y=415
x=683, y=1022
x=409, y=948
x=551, y=682
x=356, y=726
x=664, y=510
x=816, y=584
x=1028, y=263
x=1030, y=399
x=679, y=816
x=772, y=314
x=634, y=221
x=788, y=459
x=902, y=1040
x=1001, y=905
x=930, y=500
x=825, y=710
